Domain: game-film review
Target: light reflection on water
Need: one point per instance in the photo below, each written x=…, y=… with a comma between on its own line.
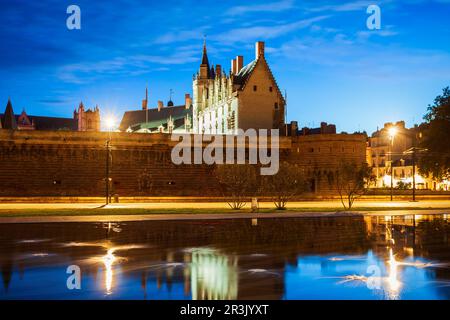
x=310, y=258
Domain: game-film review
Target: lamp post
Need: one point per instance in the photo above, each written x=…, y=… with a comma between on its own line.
x=413, y=151
x=392, y=131
x=108, y=141
x=109, y=125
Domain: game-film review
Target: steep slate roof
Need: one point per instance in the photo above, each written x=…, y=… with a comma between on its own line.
x=53, y=123
x=137, y=119
x=205, y=56
x=49, y=123
x=245, y=73
x=9, y=120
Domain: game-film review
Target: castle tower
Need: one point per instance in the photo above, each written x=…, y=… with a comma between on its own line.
x=247, y=98
x=199, y=87
x=87, y=120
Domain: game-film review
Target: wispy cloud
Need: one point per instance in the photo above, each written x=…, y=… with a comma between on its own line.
x=181, y=36
x=386, y=31
x=134, y=65
x=344, y=7
x=266, y=7
x=264, y=32
x=346, y=55
x=52, y=101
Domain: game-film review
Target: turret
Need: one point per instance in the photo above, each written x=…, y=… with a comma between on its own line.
x=9, y=120
x=204, y=67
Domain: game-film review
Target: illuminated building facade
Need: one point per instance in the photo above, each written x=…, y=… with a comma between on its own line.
x=385, y=151
x=247, y=97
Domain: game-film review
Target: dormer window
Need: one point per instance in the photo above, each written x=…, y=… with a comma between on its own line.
x=255, y=88
x=270, y=89
x=276, y=105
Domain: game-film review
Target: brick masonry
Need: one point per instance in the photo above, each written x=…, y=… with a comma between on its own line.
x=64, y=163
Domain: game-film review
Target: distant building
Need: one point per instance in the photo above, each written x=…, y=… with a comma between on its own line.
x=82, y=120
x=169, y=118
x=87, y=120
x=382, y=152
x=247, y=97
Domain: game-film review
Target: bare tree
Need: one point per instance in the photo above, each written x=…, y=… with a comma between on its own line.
x=287, y=183
x=238, y=182
x=351, y=180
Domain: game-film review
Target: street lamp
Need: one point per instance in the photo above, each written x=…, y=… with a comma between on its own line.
x=413, y=151
x=110, y=124
x=392, y=131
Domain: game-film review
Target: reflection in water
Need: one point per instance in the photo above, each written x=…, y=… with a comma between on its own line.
x=213, y=275
x=393, y=283
x=108, y=261
x=306, y=258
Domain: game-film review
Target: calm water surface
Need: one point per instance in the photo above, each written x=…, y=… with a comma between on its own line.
x=395, y=257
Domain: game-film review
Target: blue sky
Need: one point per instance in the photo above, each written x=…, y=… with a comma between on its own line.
x=332, y=67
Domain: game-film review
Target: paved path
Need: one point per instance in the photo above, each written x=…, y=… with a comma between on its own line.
x=215, y=216
x=427, y=204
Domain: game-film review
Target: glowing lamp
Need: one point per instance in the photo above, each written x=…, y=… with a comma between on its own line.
x=392, y=131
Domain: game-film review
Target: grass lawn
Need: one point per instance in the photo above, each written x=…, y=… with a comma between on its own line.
x=142, y=211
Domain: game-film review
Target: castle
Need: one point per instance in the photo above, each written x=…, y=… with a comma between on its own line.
x=69, y=163
x=83, y=120
x=248, y=97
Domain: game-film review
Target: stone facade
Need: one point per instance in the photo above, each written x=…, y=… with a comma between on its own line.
x=65, y=163
x=321, y=154
x=247, y=97
x=384, y=154
x=87, y=120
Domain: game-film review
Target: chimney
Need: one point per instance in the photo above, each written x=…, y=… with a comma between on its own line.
x=239, y=63
x=233, y=66
x=218, y=70
x=259, y=49
x=160, y=105
x=187, y=100
x=294, y=128
x=145, y=102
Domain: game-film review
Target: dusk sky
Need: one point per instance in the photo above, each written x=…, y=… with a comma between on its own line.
x=332, y=67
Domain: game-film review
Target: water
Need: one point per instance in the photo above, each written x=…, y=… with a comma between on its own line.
x=396, y=257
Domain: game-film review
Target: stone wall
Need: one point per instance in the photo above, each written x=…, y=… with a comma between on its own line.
x=64, y=163
x=321, y=154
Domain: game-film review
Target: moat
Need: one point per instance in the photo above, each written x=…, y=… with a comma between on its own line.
x=384, y=257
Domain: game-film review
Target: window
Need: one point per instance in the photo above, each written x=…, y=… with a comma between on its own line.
x=276, y=105
x=255, y=88
x=270, y=89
